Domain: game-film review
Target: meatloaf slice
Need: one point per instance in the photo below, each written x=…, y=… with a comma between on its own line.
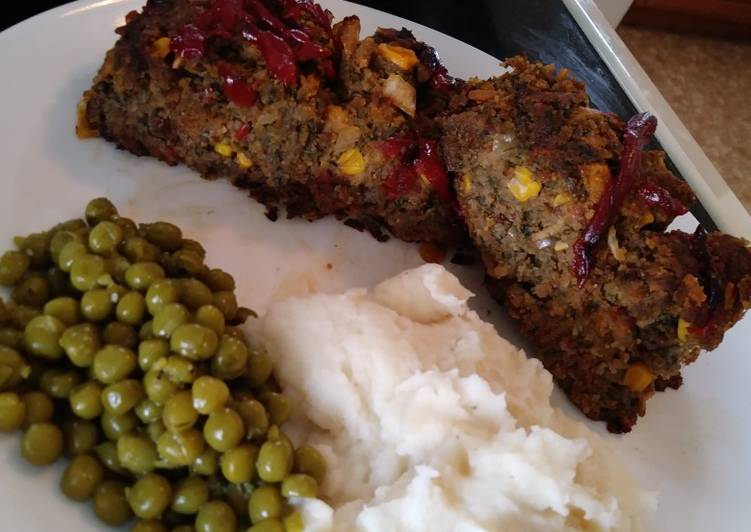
x=614, y=304
x=270, y=96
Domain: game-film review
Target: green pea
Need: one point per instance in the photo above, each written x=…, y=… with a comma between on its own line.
x=150, y=496
x=33, y=291
x=86, y=271
x=159, y=388
x=226, y=302
x=126, y=225
x=190, y=494
x=260, y=367
x=39, y=408
x=37, y=247
x=151, y=351
x=162, y=293
x=99, y=210
x=12, y=412
x=238, y=463
x=85, y=400
x=69, y=253
x=111, y=504
x=163, y=234
x=310, y=462
x=42, y=444
x=105, y=237
x=22, y=315
x=219, y=281
x=148, y=411
x=278, y=406
x=122, y=396
x=155, y=429
x=81, y=478
x=81, y=436
x=149, y=525
x=169, y=318
x=178, y=449
x=131, y=308
x=207, y=464
x=81, y=343
x=254, y=417
x=96, y=304
x=11, y=338
x=15, y=367
x=59, y=283
x=223, y=429
x=65, y=309
x=209, y=394
x=137, y=453
x=194, y=341
x=138, y=249
x=299, y=485
x=107, y=453
x=180, y=370
x=195, y=295
x=265, y=503
x=116, y=426
x=216, y=516
x=141, y=275
x=117, y=265
x=185, y=262
x=274, y=462
x=13, y=266
x=116, y=333
x=179, y=414
x=59, y=384
x=146, y=332
x=113, y=363
x=231, y=359
x=236, y=495
x=293, y=522
x=193, y=246
x=267, y=525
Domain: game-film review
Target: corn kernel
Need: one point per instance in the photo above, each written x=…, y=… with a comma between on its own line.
x=561, y=199
x=351, y=162
x=638, y=377
x=522, y=186
x=160, y=48
x=243, y=160
x=560, y=246
x=682, y=331
x=467, y=183
x=225, y=150
x=646, y=219
x=404, y=58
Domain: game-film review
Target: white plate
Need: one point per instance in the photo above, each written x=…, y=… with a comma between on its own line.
x=693, y=447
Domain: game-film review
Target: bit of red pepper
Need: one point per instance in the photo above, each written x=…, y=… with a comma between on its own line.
x=236, y=89
x=638, y=132
x=657, y=196
x=417, y=157
x=242, y=132
x=430, y=165
x=280, y=59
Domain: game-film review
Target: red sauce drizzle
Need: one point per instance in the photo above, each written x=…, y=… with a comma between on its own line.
x=402, y=180
x=657, y=196
x=236, y=89
x=638, y=132
x=242, y=132
x=282, y=45
x=430, y=165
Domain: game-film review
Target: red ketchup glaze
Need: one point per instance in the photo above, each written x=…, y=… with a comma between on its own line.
x=657, y=196
x=242, y=132
x=638, y=132
x=282, y=45
x=189, y=42
x=441, y=80
x=394, y=147
x=401, y=181
x=430, y=165
x=236, y=89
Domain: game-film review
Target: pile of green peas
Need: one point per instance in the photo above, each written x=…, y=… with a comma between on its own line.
x=119, y=348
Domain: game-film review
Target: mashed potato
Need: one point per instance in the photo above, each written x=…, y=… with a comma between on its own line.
x=432, y=422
